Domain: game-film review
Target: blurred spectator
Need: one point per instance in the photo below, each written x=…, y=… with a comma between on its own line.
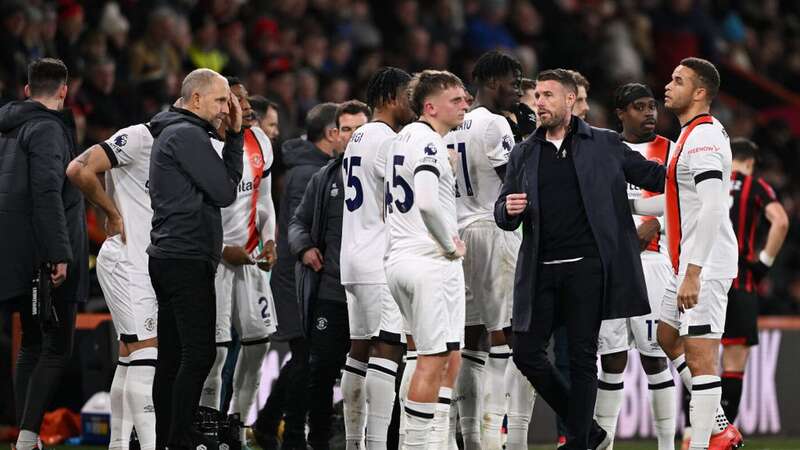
x=12, y=53
x=70, y=28
x=204, y=51
x=681, y=29
x=115, y=26
x=488, y=30
x=153, y=56
x=233, y=45
x=102, y=102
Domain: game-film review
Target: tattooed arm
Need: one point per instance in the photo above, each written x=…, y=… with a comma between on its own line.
x=83, y=172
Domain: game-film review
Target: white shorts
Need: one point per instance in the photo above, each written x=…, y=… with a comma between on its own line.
x=617, y=335
x=430, y=294
x=129, y=295
x=244, y=300
x=489, y=267
x=373, y=313
x=707, y=318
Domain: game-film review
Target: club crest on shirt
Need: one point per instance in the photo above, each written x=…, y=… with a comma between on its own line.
x=430, y=149
x=150, y=324
x=256, y=161
x=322, y=323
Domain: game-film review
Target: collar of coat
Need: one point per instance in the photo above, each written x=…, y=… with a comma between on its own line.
x=576, y=126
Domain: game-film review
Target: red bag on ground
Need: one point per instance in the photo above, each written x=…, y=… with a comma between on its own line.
x=59, y=425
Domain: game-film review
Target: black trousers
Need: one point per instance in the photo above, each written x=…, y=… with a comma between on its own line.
x=561, y=358
x=569, y=293
x=329, y=337
x=289, y=396
x=43, y=355
x=186, y=325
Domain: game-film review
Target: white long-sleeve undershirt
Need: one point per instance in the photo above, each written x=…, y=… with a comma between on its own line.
x=426, y=194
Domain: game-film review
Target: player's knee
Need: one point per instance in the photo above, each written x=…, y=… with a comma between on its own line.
x=653, y=365
x=701, y=364
x=614, y=362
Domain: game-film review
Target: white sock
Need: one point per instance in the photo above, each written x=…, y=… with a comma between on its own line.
x=27, y=440
x=117, y=394
x=210, y=396
x=721, y=420
x=494, y=406
x=441, y=420
x=470, y=385
x=663, y=408
x=683, y=371
x=139, y=410
x=354, y=398
x=452, y=443
x=405, y=382
x=247, y=378
x=706, y=394
x=520, y=407
x=609, y=401
x=381, y=376
x=419, y=424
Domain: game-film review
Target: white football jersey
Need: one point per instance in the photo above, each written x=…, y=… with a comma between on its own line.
x=242, y=221
x=417, y=147
x=128, y=184
x=363, y=228
x=706, y=150
x=481, y=144
x=657, y=150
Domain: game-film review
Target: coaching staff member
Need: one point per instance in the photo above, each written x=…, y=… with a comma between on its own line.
x=189, y=183
x=43, y=221
x=579, y=260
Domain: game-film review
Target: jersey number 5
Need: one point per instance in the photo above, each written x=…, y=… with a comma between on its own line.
x=353, y=182
x=462, y=151
x=408, y=194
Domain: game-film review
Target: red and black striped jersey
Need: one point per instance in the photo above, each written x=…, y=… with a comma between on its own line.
x=749, y=196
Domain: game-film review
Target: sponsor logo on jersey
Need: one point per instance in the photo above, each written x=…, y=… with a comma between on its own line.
x=149, y=409
x=245, y=186
x=334, y=190
x=430, y=149
x=121, y=140
x=150, y=324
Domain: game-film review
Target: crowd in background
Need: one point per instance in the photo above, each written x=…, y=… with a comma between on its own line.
x=126, y=60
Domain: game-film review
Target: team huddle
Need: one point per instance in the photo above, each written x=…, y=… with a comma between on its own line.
x=428, y=274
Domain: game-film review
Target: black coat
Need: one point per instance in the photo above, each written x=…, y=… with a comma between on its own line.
x=303, y=159
x=604, y=164
x=189, y=184
x=42, y=215
x=307, y=229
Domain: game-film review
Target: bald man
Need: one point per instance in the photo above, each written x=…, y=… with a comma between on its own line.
x=189, y=183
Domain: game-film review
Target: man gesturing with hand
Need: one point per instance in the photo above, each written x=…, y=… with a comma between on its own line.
x=189, y=184
x=579, y=260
